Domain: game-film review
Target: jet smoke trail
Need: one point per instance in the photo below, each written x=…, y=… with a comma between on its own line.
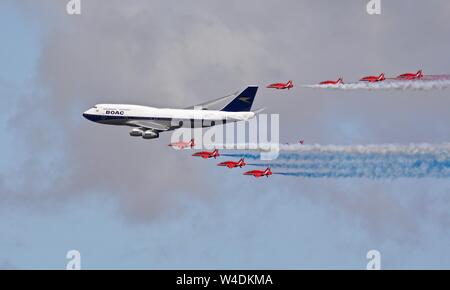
x=401, y=85
x=435, y=149
x=330, y=152
x=242, y=155
x=436, y=77
x=382, y=171
x=379, y=163
x=371, y=161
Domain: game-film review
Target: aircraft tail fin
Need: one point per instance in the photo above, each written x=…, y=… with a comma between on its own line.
x=243, y=102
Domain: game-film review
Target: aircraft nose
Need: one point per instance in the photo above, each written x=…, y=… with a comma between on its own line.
x=88, y=115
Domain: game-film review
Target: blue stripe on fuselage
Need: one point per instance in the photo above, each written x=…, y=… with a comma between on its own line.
x=110, y=118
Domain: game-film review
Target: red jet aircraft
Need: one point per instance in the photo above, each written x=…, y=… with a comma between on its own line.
x=411, y=76
x=340, y=81
x=259, y=173
x=373, y=79
x=207, y=155
x=281, y=86
x=233, y=164
x=182, y=144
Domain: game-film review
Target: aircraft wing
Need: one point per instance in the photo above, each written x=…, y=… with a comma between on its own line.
x=215, y=105
x=150, y=125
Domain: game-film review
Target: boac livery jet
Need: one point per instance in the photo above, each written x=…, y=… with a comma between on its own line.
x=149, y=122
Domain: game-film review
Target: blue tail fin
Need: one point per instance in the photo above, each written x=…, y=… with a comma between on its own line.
x=243, y=102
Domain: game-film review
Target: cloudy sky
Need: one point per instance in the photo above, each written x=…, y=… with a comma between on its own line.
x=123, y=202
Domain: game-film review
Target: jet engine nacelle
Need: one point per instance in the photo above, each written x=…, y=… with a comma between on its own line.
x=149, y=134
x=136, y=132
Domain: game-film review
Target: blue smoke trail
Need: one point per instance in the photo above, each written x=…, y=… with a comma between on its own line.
x=243, y=155
x=333, y=157
x=374, y=166
x=368, y=175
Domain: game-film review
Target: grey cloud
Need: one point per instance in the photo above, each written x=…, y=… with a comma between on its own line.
x=7, y=265
x=169, y=53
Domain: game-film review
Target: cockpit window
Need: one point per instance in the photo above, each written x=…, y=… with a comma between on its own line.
x=95, y=107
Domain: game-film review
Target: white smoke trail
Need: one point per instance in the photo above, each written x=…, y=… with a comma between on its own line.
x=436, y=77
x=424, y=148
x=342, y=153
x=413, y=148
x=401, y=85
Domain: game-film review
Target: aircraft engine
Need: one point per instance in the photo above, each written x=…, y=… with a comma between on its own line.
x=136, y=132
x=149, y=134
x=207, y=123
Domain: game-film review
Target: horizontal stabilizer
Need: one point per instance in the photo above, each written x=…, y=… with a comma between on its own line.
x=257, y=111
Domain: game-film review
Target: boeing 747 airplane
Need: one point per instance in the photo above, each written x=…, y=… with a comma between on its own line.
x=149, y=122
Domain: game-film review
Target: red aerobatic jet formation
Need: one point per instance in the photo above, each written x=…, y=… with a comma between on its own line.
x=240, y=163
x=370, y=79
x=374, y=79
x=233, y=164
x=282, y=86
